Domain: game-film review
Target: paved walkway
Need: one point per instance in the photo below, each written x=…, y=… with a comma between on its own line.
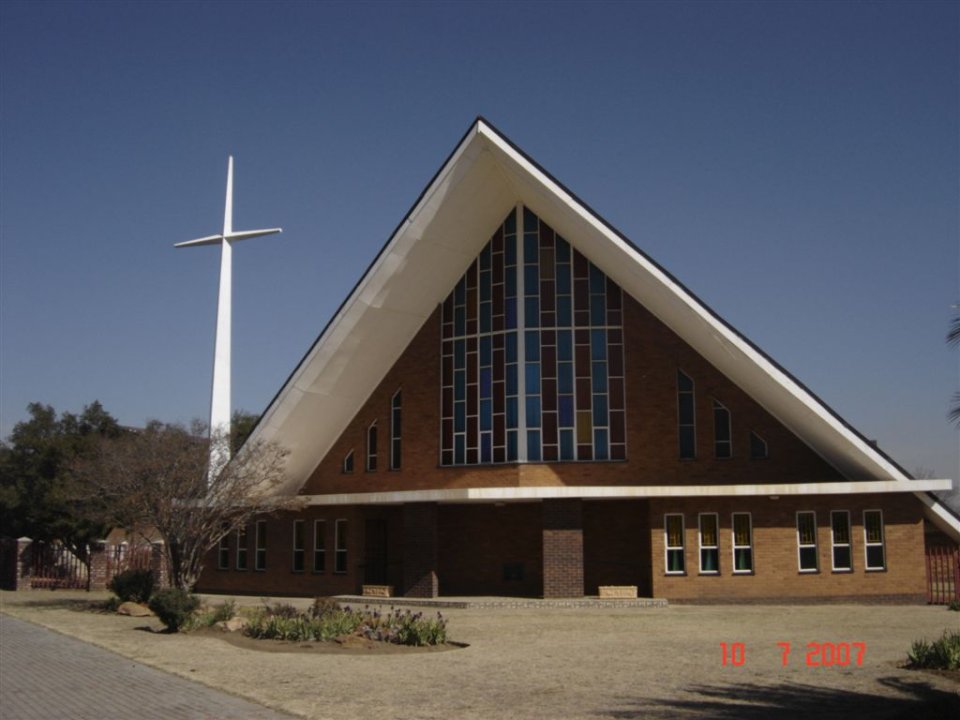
x=48, y=676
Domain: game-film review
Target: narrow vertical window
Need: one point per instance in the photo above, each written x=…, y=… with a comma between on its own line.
x=873, y=539
x=840, y=538
x=758, y=447
x=807, y=541
x=722, y=435
x=372, y=447
x=685, y=417
x=395, y=430
x=742, y=543
x=260, y=560
x=340, y=546
x=223, y=553
x=709, y=544
x=299, y=546
x=241, y=548
x=319, y=546
x=348, y=463
x=673, y=543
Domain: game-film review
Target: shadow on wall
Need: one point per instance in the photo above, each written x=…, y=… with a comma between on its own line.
x=918, y=699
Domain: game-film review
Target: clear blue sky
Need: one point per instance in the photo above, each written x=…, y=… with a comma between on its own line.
x=794, y=164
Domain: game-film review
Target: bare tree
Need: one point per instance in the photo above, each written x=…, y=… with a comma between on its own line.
x=157, y=478
x=953, y=339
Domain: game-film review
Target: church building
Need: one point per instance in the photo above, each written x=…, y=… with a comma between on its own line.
x=515, y=400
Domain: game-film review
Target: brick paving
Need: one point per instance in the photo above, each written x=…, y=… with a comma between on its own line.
x=48, y=676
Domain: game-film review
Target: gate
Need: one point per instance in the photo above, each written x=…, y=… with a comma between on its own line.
x=53, y=565
x=943, y=574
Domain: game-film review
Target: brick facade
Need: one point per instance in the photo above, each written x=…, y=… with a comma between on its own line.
x=562, y=548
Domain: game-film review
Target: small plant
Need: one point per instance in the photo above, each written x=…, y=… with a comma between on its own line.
x=132, y=585
x=174, y=607
x=942, y=654
x=212, y=615
x=323, y=606
x=954, y=605
x=284, y=610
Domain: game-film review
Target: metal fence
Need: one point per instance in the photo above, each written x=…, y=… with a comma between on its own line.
x=943, y=574
x=54, y=565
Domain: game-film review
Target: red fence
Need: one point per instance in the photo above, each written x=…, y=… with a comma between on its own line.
x=943, y=574
x=53, y=565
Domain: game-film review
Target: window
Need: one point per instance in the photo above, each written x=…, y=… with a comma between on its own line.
x=873, y=539
x=299, y=546
x=722, y=436
x=340, y=546
x=685, y=417
x=742, y=543
x=372, y=447
x=348, y=463
x=840, y=538
x=673, y=542
x=319, y=546
x=807, y=541
x=758, y=447
x=223, y=553
x=241, y=548
x=260, y=560
x=395, y=428
x=709, y=544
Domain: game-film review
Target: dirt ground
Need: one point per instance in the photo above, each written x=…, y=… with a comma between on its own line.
x=566, y=663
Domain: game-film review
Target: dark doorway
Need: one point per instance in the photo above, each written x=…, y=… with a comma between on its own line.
x=375, y=552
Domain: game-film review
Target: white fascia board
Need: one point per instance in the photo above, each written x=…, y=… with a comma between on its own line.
x=533, y=493
x=940, y=516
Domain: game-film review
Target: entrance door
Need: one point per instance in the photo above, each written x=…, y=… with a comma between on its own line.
x=375, y=552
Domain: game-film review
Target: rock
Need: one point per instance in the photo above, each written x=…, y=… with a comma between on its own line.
x=133, y=610
x=233, y=624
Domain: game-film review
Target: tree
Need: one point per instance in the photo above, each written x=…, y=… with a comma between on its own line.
x=36, y=493
x=241, y=425
x=953, y=339
x=157, y=478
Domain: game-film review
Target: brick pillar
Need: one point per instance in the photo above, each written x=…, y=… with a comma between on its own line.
x=14, y=566
x=99, y=552
x=562, y=548
x=420, y=550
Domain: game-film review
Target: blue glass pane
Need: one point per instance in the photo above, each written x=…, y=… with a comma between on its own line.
x=564, y=345
x=531, y=345
x=510, y=224
x=566, y=445
x=532, y=376
x=565, y=408
x=512, y=413
x=485, y=257
x=511, y=342
x=563, y=249
x=460, y=321
x=460, y=292
x=531, y=307
x=512, y=446
x=459, y=456
x=486, y=448
x=563, y=279
x=510, y=308
x=599, y=410
x=564, y=311
x=486, y=315
x=486, y=383
x=460, y=354
x=531, y=248
x=533, y=445
x=510, y=250
x=513, y=385
x=459, y=417
x=530, y=221
x=533, y=412
x=598, y=281
x=598, y=310
x=531, y=280
x=599, y=377
x=486, y=350
x=600, y=447
x=565, y=378
x=486, y=414
x=510, y=283
x=598, y=344
x=460, y=386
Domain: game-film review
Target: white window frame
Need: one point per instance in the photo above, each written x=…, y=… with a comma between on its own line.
x=223, y=552
x=766, y=448
x=715, y=548
x=801, y=546
x=693, y=423
x=299, y=550
x=260, y=546
x=717, y=405
x=242, y=549
x=396, y=410
x=340, y=547
x=748, y=546
x=667, y=548
x=320, y=545
x=867, y=544
x=834, y=544
x=371, y=464
x=347, y=467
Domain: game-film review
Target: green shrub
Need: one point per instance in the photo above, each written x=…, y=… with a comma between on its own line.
x=942, y=654
x=405, y=628
x=323, y=606
x=132, y=585
x=954, y=605
x=174, y=607
x=210, y=616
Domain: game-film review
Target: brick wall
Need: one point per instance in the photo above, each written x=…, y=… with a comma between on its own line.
x=562, y=548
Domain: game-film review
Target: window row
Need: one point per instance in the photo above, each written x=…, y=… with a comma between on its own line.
x=741, y=532
x=722, y=426
x=396, y=447
x=298, y=549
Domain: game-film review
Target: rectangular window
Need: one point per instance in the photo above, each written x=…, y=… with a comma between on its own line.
x=758, y=447
x=722, y=434
x=260, y=560
x=686, y=426
x=709, y=544
x=395, y=427
x=372, y=447
x=873, y=539
x=340, y=546
x=742, y=543
x=299, y=546
x=807, y=556
x=223, y=553
x=840, y=539
x=348, y=463
x=319, y=546
x=241, y=548
x=673, y=543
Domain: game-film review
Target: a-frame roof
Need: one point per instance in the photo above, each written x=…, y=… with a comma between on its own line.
x=446, y=228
